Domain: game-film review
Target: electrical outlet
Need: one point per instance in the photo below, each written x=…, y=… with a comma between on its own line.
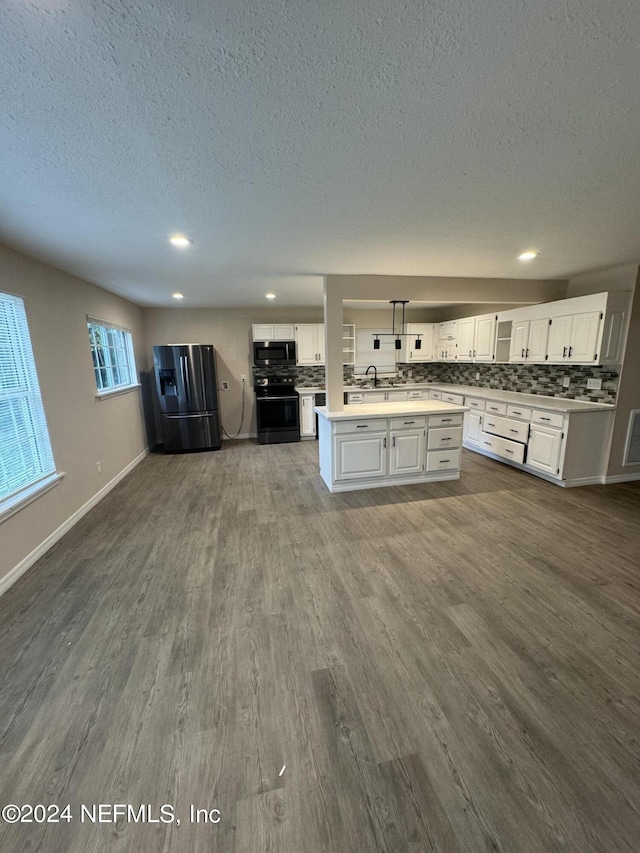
x=243, y=378
x=410, y=374
x=477, y=376
x=225, y=386
x=594, y=384
x=99, y=467
x=566, y=381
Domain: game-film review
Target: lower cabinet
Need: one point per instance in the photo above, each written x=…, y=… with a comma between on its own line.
x=545, y=447
x=359, y=456
x=406, y=455
x=473, y=427
x=307, y=416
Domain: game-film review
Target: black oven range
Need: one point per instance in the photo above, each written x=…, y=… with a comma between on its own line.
x=277, y=410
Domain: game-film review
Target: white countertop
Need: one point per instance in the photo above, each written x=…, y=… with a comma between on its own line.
x=389, y=410
x=537, y=401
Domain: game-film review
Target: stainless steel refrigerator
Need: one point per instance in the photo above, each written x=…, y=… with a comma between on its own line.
x=188, y=397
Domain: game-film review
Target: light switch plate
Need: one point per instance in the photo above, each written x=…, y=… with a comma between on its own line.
x=594, y=384
x=566, y=381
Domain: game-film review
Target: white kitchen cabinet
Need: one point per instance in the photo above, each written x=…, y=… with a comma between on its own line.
x=309, y=343
x=406, y=454
x=446, y=343
x=393, y=396
x=545, y=447
x=307, y=415
x=529, y=340
x=574, y=338
x=472, y=427
x=273, y=331
x=484, y=346
x=358, y=456
x=409, y=353
x=465, y=338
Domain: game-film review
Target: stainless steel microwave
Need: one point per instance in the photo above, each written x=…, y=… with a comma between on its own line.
x=274, y=353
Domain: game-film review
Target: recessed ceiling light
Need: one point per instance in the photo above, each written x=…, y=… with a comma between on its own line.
x=270, y=295
x=528, y=256
x=178, y=295
x=180, y=241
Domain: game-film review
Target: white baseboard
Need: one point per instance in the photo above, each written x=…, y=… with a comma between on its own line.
x=621, y=478
x=25, y=564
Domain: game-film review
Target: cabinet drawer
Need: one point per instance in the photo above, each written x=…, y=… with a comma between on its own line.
x=553, y=419
x=502, y=447
x=360, y=426
x=507, y=428
x=458, y=399
x=409, y=422
x=435, y=395
x=443, y=460
x=415, y=395
x=474, y=403
x=445, y=420
x=355, y=398
x=519, y=412
x=439, y=439
x=495, y=408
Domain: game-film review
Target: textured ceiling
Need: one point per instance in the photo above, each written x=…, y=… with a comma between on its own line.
x=291, y=139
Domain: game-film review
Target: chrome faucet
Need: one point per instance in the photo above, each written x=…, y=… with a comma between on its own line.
x=375, y=374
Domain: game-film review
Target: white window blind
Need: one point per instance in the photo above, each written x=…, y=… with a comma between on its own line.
x=26, y=460
x=112, y=353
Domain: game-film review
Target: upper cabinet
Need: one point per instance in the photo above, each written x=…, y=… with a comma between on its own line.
x=272, y=331
x=414, y=332
x=476, y=338
x=579, y=330
x=446, y=343
x=309, y=343
x=529, y=340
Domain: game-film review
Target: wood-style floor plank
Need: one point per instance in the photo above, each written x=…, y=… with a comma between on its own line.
x=448, y=667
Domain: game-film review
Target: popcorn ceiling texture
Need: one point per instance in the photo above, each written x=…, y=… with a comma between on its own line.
x=528, y=378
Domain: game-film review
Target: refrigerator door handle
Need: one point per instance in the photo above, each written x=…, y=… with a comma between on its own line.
x=182, y=417
x=184, y=369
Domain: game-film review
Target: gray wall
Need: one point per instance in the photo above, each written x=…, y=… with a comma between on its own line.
x=83, y=430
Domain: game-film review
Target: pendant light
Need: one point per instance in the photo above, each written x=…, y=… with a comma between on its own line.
x=393, y=333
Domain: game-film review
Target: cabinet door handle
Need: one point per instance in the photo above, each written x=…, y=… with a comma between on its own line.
x=362, y=426
x=490, y=424
x=522, y=354
x=446, y=420
x=470, y=354
x=506, y=450
x=516, y=413
x=384, y=442
x=488, y=442
x=446, y=439
x=527, y=353
x=393, y=441
x=564, y=352
x=444, y=461
x=409, y=422
x=570, y=351
x=512, y=430
x=545, y=419
x=474, y=355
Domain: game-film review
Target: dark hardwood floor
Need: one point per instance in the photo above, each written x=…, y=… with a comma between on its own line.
x=444, y=667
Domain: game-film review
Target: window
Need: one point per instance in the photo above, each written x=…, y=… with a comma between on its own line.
x=26, y=460
x=112, y=353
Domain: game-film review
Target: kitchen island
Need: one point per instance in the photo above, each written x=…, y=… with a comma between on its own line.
x=389, y=444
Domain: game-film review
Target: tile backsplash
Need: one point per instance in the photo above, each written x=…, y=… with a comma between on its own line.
x=530, y=378
x=543, y=379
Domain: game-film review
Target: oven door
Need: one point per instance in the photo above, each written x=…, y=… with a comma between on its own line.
x=278, y=419
x=270, y=353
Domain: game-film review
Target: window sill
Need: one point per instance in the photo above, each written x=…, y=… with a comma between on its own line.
x=12, y=505
x=115, y=392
